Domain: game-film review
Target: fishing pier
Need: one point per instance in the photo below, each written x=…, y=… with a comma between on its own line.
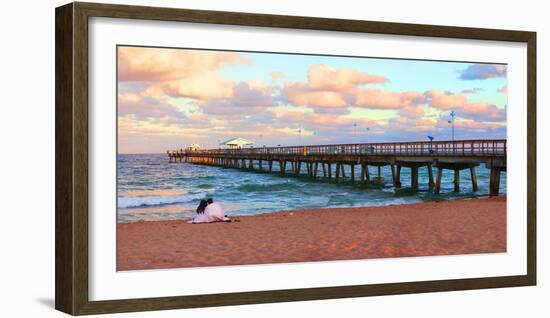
x=329, y=161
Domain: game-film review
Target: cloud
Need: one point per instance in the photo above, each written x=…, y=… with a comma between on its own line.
x=465, y=108
x=324, y=77
x=178, y=72
x=158, y=64
x=247, y=98
x=411, y=124
x=468, y=124
x=299, y=93
x=211, y=86
x=307, y=118
x=412, y=111
x=146, y=107
x=483, y=71
x=384, y=99
x=331, y=90
x=202, y=86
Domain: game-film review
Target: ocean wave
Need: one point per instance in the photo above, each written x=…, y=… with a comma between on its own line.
x=134, y=202
x=371, y=203
x=195, y=178
x=263, y=187
x=205, y=186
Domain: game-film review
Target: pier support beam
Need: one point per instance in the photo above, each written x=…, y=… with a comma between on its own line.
x=430, y=177
x=397, y=180
x=438, y=180
x=329, y=170
x=414, y=178
x=494, y=182
x=352, y=172
x=338, y=169
x=457, y=180
x=474, y=178
x=315, y=169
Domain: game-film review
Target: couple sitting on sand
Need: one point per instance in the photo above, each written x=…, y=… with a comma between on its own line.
x=208, y=212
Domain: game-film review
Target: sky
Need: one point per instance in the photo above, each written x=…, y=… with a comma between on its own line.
x=170, y=98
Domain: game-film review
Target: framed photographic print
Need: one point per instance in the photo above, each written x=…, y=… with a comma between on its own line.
x=211, y=158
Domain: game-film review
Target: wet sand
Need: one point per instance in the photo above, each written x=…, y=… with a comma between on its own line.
x=424, y=229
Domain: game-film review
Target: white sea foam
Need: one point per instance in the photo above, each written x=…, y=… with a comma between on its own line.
x=141, y=201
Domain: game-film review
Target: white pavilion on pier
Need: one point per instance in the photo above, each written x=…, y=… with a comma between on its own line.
x=193, y=147
x=237, y=143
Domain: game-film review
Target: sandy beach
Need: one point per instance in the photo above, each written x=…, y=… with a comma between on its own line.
x=424, y=229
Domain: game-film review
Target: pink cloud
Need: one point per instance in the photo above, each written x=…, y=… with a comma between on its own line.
x=178, y=72
x=161, y=64
x=326, y=78
x=412, y=110
x=300, y=94
x=143, y=107
x=469, y=124
x=328, y=87
x=247, y=98
x=319, y=120
x=202, y=86
x=459, y=103
x=383, y=99
x=412, y=124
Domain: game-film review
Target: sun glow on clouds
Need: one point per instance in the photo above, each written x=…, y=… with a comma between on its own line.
x=172, y=97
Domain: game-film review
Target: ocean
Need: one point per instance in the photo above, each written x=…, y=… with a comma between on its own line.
x=150, y=188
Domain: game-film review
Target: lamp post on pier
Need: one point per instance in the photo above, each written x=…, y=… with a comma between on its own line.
x=452, y=122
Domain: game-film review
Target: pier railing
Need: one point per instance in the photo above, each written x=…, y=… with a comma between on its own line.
x=457, y=148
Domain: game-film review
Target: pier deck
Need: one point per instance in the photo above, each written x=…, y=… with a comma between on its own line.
x=330, y=160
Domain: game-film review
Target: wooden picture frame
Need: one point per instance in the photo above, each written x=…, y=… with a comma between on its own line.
x=71, y=108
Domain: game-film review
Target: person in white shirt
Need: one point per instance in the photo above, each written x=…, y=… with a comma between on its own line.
x=200, y=215
x=215, y=211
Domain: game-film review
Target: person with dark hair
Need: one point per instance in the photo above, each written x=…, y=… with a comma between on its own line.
x=200, y=215
x=215, y=211
x=202, y=205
